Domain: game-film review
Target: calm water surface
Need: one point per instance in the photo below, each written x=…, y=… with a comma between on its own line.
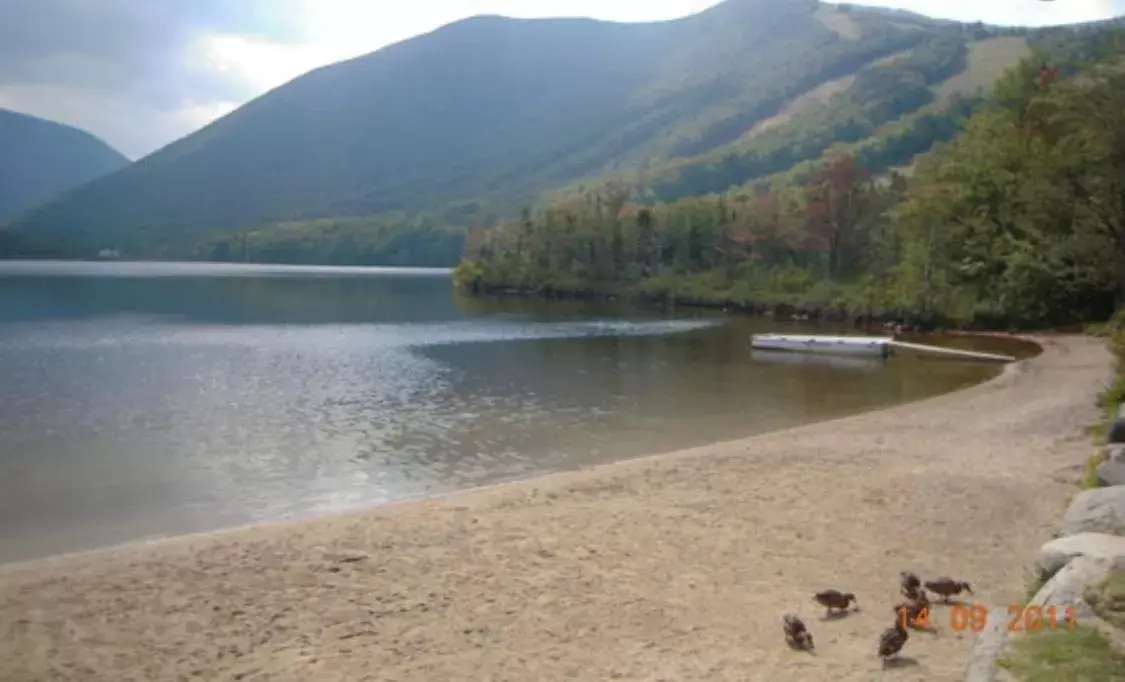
x=141, y=400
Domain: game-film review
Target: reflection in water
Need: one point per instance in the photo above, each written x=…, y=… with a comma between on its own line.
x=138, y=406
x=842, y=362
x=232, y=300
x=199, y=269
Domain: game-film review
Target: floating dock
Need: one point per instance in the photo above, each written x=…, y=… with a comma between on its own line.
x=870, y=346
x=866, y=346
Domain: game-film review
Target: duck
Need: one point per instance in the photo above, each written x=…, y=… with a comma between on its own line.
x=948, y=587
x=892, y=640
x=911, y=584
x=796, y=634
x=835, y=599
x=917, y=611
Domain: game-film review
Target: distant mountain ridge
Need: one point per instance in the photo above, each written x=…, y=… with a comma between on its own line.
x=386, y=158
x=39, y=159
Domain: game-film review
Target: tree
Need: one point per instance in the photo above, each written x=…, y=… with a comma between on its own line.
x=837, y=197
x=1020, y=219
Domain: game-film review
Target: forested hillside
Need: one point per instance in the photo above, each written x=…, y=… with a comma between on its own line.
x=40, y=159
x=1019, y=220
x=389, y=158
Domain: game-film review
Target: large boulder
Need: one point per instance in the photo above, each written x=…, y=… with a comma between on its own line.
x=1068, y=587
x=1107, y=597
x=1112, y=471
x=1101, y=510
x=988, y=647
x=1057, y=553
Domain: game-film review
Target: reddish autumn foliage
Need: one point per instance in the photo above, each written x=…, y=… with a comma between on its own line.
x=766, y=205
x=628, y=212
x=833, y=209
x=1047, y=75
x=742, y=237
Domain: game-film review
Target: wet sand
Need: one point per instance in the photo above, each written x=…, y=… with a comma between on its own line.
x=674, y=567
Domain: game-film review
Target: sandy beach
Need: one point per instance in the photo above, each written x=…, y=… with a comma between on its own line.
x=672, y=567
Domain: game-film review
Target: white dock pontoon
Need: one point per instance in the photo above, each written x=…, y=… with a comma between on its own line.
x=869, y=346
x=877, y=346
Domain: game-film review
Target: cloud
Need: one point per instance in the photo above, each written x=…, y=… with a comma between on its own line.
x=131, y=71
x=132, y=127
x=141, y=73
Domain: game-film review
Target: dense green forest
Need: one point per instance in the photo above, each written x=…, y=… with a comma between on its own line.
x=1019, y=220
x=392, y=240
x=924, y=94
x=878, y=94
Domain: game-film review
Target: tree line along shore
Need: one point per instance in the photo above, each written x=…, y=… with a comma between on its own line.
x=1019, y=221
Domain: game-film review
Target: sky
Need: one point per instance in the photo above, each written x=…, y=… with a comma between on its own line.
x=142, y=73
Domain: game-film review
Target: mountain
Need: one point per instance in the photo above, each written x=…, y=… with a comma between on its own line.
x=42, y=159
x=386, y=158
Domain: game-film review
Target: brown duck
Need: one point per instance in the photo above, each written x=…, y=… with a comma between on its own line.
x=911, y=585
x=917, y=611
x=796, y=634
x=891, y=641
x=835, y=599
x=948, y=587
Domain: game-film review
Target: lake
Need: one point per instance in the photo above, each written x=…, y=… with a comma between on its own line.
x=139, y=400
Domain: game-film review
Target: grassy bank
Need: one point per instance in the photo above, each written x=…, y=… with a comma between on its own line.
x=1081, y=654
x=1084, y=653
x=1114, y=393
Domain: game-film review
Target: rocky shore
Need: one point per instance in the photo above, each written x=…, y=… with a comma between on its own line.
x=1080, y=600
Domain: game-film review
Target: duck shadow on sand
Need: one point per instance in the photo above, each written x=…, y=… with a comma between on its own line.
x=797, y=647
x=837, y=615
x=900, y=662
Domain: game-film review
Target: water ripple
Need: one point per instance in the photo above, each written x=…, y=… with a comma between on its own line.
x=131, y=408
x=194, y=426
x=124, y=330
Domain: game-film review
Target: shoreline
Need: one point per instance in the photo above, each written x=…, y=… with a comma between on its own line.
x=834, y=313
x=676, y=564
x=156, y=542
x=124, y=267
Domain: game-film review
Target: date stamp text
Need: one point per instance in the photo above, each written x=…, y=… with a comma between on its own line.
x=977, y=617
